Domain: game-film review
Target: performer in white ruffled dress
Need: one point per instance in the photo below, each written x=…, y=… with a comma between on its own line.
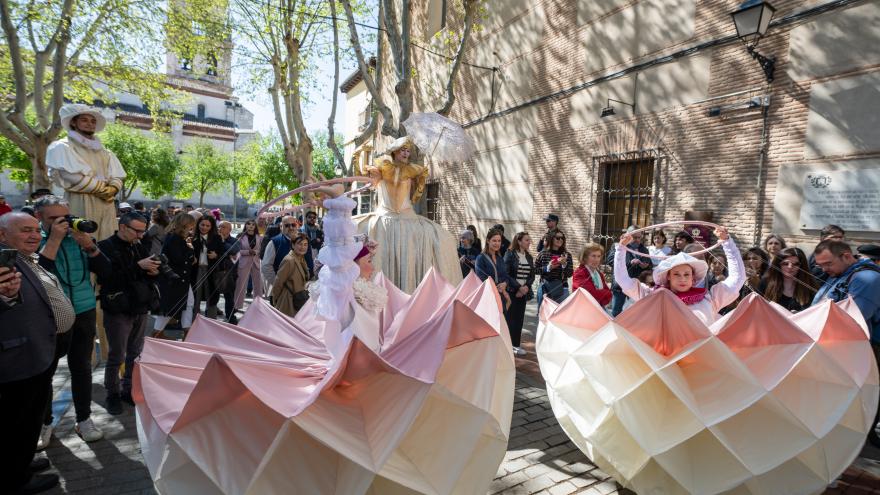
x=345, y=292
x=90, y=174
x=411, y=244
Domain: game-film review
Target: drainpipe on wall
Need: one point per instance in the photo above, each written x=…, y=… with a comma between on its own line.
x=759, y=186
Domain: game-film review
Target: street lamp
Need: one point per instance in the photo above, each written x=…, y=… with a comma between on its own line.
x=751, y=22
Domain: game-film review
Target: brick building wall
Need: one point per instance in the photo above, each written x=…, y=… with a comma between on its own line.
x=540, y=158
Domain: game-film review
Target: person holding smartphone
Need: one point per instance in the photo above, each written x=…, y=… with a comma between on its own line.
x=554, y=264
x=128, y=293
x=33, y=310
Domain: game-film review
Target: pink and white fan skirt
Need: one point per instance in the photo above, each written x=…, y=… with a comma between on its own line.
x=418, y=401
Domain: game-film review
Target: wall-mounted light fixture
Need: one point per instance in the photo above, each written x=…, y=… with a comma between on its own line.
x=751, y=21
x=609, y=110
x=753, y=102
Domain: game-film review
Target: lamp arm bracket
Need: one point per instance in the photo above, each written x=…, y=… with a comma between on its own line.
x=768, y=64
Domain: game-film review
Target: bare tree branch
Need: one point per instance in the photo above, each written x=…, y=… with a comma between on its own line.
x=331, y=138
x=15, y=57
x=369, y=81
x=393, y=34
x=58, y=68
x=63, y=26
x=470, y=12
x=403, y=88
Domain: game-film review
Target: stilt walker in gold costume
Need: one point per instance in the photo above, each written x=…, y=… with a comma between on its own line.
x=411, y=244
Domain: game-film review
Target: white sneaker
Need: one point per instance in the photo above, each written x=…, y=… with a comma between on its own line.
x=45, y=437
x=88, y=431
x=519, y=351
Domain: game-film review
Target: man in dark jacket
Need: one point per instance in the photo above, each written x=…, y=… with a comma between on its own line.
x=127, y=295
x=316, y=235
x=33, y=310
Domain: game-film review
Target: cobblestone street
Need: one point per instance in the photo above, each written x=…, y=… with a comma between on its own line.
x=540, y=459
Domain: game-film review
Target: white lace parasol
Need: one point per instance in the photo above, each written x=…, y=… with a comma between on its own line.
x=440, y=138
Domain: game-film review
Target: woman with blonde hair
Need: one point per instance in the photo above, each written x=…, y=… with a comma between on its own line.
x=588, y=276
x=175, y=296
x=412, y=244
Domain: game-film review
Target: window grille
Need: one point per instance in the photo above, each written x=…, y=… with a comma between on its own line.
x=625, y=193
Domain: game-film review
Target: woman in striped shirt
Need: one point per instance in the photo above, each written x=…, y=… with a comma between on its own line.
x=521, y=269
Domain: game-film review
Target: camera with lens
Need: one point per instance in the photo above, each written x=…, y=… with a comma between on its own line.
x=164, y=268
x=81, y=224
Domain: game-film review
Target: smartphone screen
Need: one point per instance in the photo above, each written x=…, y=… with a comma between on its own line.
x=7, y=257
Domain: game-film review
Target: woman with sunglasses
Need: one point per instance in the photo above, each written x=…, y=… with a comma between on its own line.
x=555, y=265
x=788, y=282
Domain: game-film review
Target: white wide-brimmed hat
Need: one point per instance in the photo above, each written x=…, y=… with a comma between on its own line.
x=400, y=143
x=699, y=266
x=71, y=110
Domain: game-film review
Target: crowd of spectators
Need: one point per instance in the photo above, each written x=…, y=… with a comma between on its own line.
x=58, y=285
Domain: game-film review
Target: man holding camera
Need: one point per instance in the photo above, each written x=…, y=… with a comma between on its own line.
x=68, y=251
x=127, y=294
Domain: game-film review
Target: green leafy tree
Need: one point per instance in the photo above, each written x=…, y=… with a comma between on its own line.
x=149, y=160
x=204, y=169
x=323, y=156
x=16, y=160
x=79, y=50
x=266, y=174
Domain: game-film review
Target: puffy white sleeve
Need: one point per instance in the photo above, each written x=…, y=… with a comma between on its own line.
x=634, y=289
x=117, y=173
x=727, y=291
x=337, y=257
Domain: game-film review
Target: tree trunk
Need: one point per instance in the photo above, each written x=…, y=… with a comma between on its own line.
x=39, y=171
x=201, y=199
x=127, y=192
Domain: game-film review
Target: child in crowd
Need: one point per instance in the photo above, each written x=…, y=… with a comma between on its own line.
x=679, y=274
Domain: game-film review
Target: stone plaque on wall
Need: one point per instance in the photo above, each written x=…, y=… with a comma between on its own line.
x=848, y=198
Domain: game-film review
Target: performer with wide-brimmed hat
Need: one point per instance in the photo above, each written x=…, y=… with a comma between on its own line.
x=90, y=174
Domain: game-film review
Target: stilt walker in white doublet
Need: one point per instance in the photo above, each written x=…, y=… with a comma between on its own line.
x=90, y=174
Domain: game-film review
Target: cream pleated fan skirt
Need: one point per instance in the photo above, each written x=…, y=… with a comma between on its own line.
x=761, y=402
